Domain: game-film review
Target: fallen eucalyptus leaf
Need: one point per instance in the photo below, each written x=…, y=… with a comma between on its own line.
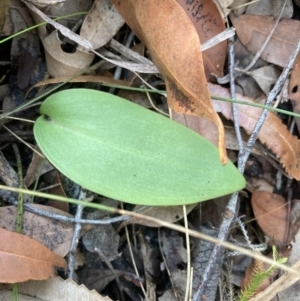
x=123, y=151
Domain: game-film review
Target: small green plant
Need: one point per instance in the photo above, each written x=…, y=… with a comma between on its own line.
x=259, y=276
x=123, y=151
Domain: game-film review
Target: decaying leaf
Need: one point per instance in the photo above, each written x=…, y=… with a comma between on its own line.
x=271, y=213
x=101, y=24
x=55, y=235
x=208, y=22
x=274, y=134
x=175, y=255
x=55, y=289
x=174, y=46
x=294, y=89
x=23, y=258
x=265, y=77
x=34, y=170
x=253, y=31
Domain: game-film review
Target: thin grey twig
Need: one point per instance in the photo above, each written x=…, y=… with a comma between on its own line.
x=118, y=70
x=75, y=238
x=271, y=97
x=243, y=157
x=232, y=91
x=10, y=198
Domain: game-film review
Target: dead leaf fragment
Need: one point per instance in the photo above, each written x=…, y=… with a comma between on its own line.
x=253, y=31
x=55, y=235
x=271, y=214
x=294, y=89
x=55, y=289
x=208, y=22
x=23, y=258
x=274, y=134
x=265, y=77
x=174, y=46
x=101, y=23
x=34, y=169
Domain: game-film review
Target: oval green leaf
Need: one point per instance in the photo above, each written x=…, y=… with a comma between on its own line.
x=123, y=151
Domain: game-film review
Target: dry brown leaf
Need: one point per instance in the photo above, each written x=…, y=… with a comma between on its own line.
x=39, y=166
x=83, y=79
x=58, y=190
x=174, y=46
x=202, y=126
x=101, y=23
x=208, y=22
x=294, y=89
x=55, y=235
x=34, y=170
x=55, y=289
x=271, y=213
x=265, y=77
x=23, y=258
x=274, y=134
x=253, y=31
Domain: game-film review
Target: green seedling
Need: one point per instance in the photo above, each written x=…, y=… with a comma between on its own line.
x=123, y=151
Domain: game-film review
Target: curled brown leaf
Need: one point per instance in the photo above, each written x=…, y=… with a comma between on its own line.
x=274, y=134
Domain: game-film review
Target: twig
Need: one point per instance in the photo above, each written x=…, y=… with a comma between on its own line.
x=176, y=297
x=232, y=91
x=148, y=282
x=9, y=197
x=188, y=251
x=119, y=69
x=134, y=264
x=76, y=236
x=19, y=226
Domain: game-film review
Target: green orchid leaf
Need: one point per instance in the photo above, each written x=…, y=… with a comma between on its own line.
x=123, y=151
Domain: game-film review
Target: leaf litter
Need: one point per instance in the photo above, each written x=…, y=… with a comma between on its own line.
x=272, y=191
